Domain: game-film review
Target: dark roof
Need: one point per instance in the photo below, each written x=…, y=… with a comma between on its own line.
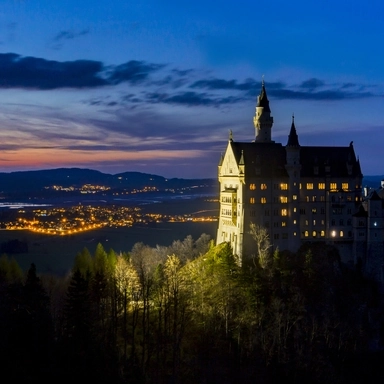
x=269, y=160
x=261, y=159
x=361, y=212
x=293, y=139
x=331, y=161
x=262, y=99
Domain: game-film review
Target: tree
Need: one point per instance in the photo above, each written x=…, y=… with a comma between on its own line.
x=263, y=245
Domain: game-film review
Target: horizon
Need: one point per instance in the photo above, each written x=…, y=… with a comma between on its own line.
x=156, y=87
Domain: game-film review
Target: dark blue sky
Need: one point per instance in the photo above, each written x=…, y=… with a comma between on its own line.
x=156, y=86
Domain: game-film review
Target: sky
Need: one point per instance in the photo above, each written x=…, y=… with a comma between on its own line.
x=155, y=86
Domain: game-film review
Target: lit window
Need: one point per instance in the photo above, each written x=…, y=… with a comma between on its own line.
x=294, y=221
x=283, y=186
x=321, y=185
x=284, y=212
x=333, y=186
x=314, y=234
x=294, y=233
x=263, y=186
x=309, y=185
x=283, y=223
x=306, y=233
x=283, y=199
x=294, y=209
x=252, y=200
x=294, y=197
x=263, y=200
x=341, y=233
x=252, y=187
x=345, y=186
x=322, y=233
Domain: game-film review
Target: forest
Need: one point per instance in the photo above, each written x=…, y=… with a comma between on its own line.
x=189, y=313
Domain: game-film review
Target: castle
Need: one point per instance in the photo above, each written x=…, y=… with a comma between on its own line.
x=299, y=194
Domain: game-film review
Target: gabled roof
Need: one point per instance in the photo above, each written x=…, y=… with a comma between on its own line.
x=261, y=159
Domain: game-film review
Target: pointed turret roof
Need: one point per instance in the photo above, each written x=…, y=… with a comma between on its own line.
x=293, y=139
x=262, y=99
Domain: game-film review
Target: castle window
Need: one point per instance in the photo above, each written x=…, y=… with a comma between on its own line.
x=314, y=222
x=275, y=212
x=263, y=200
x=314, y=199
x=252, y=200
x=333, y=222
x=306, y=233
x=309, y=185
x=284, y=212
x=263, y=186
x=294, y=234
x=322, y=233
x=283, y=223
x=341, y=233
x=266, y=212
x=275, y=225
x=322, y=198
x=302, y=211
x=294, y=209
x=284, y=186
x=306, y=222
x=314, y=210
x=314, y=234
x=361, y=223
x=294, y=197
x=294, y=221
x=283, y=199
x=252, y=187
x=321, y=185
x=341, y=222
x=333, y=186
x=252, y=213
x=276, y=236
x=307, y=199
x=345, y=186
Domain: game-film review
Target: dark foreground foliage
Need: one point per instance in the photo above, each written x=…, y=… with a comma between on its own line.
x=189, y=314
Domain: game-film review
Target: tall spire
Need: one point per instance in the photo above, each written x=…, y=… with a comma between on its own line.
x=262, y=99
x=293, y=139
x=263, y=120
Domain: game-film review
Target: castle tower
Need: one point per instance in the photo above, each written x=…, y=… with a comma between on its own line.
x=293, y=168
x=263, y=120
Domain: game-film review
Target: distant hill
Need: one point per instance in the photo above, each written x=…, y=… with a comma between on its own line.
x=39, y=183
x=372, y=181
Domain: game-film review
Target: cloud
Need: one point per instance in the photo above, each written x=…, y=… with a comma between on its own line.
x=133, y=72
x=312, y=83
x=310, y=89
x=62, y=36
x=35, y=73
x=69, y=35
x=189, y=98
